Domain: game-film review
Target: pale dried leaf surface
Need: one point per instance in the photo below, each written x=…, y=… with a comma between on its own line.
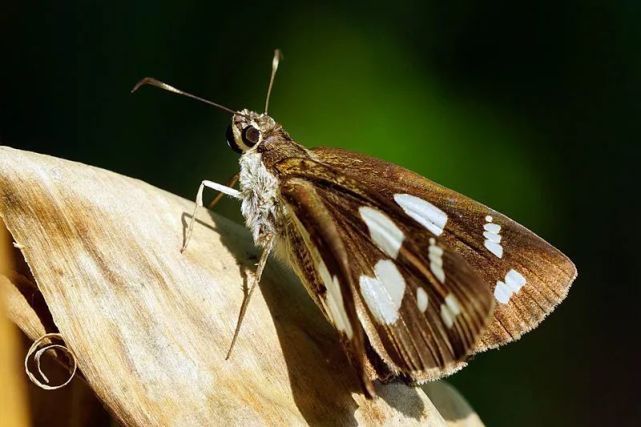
x=150, y=327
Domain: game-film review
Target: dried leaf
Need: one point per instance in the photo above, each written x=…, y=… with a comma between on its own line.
x=13, y=397
x=150, y=326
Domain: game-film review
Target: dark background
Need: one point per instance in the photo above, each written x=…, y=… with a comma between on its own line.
x=533, y=110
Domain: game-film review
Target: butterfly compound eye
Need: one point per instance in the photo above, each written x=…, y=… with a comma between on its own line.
x=251, y=136
x=231, y=141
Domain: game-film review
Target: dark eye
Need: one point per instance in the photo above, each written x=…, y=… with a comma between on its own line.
x=231, y=141
x=251, y=136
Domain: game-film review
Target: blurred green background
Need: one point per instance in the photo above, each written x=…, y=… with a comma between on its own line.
x=531, y=109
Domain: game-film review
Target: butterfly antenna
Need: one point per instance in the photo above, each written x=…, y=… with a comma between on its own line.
x=153, y=82
x=277, y=57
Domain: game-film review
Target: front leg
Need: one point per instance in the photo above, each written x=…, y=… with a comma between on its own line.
x=223, y=189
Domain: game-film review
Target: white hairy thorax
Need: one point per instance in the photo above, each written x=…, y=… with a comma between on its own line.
x=259, y=206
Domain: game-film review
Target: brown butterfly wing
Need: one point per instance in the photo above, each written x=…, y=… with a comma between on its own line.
x=318, y=255
x=422, y=308
x=527, y=275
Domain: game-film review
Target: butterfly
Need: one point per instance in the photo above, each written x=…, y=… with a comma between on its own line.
x=415, y=277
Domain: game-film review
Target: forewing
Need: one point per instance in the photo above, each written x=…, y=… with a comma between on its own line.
x=527, y=276
x=422, y=306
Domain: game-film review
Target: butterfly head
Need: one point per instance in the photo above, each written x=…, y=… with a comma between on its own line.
x=248, y=130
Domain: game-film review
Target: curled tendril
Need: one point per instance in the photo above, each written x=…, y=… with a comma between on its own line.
x=37, y=353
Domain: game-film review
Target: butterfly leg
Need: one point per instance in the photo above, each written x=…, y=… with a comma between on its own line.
x=255, y=280
x=199, y=203
x=230, y=183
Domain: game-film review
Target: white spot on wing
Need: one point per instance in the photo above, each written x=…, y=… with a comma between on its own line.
x=492, y=228
x=452, y=303
x=502, y=292
x=384, y=233
x=512, y=284
x=492, y=237
x=435, y=255
x=334, y=301
x=449, y=310
x=496, y=238
x=514, y=280
x=383, y=293
x=447, y=317
x=423, y=212
x=495, y=248
x=421, y=299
